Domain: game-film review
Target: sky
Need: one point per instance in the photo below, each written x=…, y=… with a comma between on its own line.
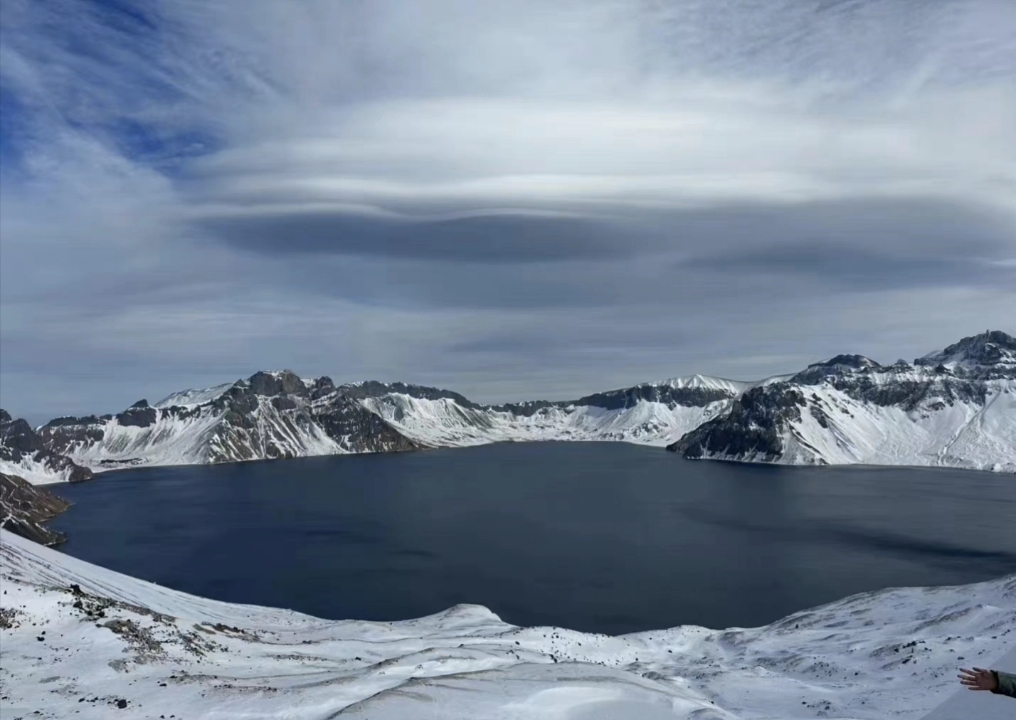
x=534, y=199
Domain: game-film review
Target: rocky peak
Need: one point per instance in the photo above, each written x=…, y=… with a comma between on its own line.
x=836, y=366
x=69, y=420
x=990, y=348
x=858, y=362
x=22, y=446
x=322, y=386
x=140, y=414
x=17, y=434
x=277, y=383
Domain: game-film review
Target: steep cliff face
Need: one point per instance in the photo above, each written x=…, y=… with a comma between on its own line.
x=267, y=416
x=24, y=454
x=25, y=507
x=753, y=430
x=956, y=407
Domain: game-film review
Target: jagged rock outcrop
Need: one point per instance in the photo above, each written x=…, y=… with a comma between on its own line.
x=956, y=407
x=266, y=416
x=988, y=355
x=23, y=453
x=25, y=507
x=754, y=428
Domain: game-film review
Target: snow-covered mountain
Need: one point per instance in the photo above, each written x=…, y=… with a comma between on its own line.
x=280, y=415
x=269, y=415
x=956, y=408
x=84, y=642
x=650, y=413
x=23, y=454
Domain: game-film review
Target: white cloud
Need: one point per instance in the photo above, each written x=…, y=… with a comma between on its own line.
x=127, y=129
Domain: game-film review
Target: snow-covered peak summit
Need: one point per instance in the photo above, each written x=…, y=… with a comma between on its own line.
x=857, y=362
x=197, y=396
x=838, y=366
x=992, y=348
x=264, y=382
x=705, y=382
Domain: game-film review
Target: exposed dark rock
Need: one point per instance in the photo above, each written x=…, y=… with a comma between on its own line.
x=839, y=366
x=65, y=435
x=17, y=435
x=669, y=396
x=757, y=423
x=751, y=430
x=139, y=414
x=239, y=399
x=322, y=386
x=988, y=349
x=70, y=420
x=858, y=362
x=25, y=507
x=347, y=421
x=284, y=402
x=373, y=388
x=270, y=384
x=21, y=445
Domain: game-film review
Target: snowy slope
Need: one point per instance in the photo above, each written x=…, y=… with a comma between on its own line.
x=202, y=436
x=953, y=408
x=956, y=408
x=80, y=641
x=37, y=473
x=267, y=416
x=836, y=429
x=169, y=440
x=186, y=398
x=445, y=423
x=23, y=454
x=279, y=415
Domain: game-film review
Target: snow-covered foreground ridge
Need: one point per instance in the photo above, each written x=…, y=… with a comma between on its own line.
x=954, y=408
x=81, y=641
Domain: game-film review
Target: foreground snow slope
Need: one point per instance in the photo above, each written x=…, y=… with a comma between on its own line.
x=80, y=641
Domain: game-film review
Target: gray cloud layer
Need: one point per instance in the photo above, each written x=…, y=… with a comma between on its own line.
x=515, y=200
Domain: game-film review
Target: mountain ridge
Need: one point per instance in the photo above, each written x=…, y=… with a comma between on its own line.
x=955, y=407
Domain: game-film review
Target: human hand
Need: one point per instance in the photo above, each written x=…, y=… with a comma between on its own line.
x=978, y=679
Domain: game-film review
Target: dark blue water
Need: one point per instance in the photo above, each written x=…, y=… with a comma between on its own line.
x=594, y=536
